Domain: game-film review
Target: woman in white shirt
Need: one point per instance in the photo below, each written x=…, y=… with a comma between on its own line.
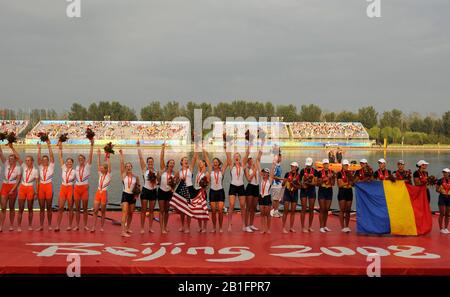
x=131, y=185
x=27, y=192
x=216, y=191
x=149, y=193
x=46, y=165
x=101, y=196
x=167, y=182
x=66, y=189
x=12, y=176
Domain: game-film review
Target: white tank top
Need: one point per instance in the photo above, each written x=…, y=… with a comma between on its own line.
x=104, y=180
x=254, y=180
x=237, y=175
x=264, y=187
x=198, y=178
x=46, y=173
x=67, y=176
x=128, y=184
x=216, y=180
x=147, y=184
x=186, y=174
x=163, y=185
x=82, y=174
x=29, y=175
x=11, y=173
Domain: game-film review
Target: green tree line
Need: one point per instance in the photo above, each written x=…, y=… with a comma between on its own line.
x=393, y=125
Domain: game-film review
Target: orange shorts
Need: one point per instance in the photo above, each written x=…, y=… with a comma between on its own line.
x=45, y=191
x=81, y=192
x=66, y=192
x=101, y=196
x=26, y=192
x=6, y=188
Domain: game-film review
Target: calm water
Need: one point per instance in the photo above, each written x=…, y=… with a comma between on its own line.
x=437, y=160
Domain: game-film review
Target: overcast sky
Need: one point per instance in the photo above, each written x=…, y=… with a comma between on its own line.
x=326, y=52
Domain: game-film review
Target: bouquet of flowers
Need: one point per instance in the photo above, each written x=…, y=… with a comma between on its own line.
x=171, y=182
x=43, y=136
x=3, y=136
x=392, y=178
x=431, y=180
x=63, y=137
x=137, y=189
x=151, y=176
x=11, y=137
x=109, y=148
x=90, y=134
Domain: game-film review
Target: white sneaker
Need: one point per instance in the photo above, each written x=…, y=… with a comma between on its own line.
x=248, y=229
x=349, y=230
x=322, y=230
x=448, y=232
x=272, y=212
x=327, y=229
x=254, y=228
x=443, y=231
x=344, y=230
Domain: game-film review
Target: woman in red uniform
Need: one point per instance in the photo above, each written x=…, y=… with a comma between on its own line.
x=101, y=196
x=8, y=193
x=443, y=188
x=326, y=180
x=30, y=177
x=45, y=194
x=66, y=190
x=81, y=188
x=345, y=195
x=308, y=194
x=421, y=176
x=291, y=185
x=381, y=173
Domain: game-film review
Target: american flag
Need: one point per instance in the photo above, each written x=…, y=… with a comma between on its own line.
x=195, y=208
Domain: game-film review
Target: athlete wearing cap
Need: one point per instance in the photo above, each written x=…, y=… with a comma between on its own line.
x=325, y=180
x=365, y=174
x=420, y=176
x=401, y=173
x=381, y=173
x=8, y=193
x=345, y=195
x=443, y=188
x=291, y=185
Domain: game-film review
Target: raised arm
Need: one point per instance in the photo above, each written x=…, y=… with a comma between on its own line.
x=122, y=164
x=39, y=154
x=50, y=152
x=208, y=162
x=141, y=158
x=162, y=164
x=60, y=154
x=108, y=161
x=194, y=161
x=272, y=171
x=2, y=156
x=99, y=155
x=91, y=152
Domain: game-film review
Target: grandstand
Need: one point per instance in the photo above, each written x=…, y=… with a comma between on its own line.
x=13, y=126
x=297, y=133
x=117, y=132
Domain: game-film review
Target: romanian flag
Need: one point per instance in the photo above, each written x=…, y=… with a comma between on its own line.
x=385, y=207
